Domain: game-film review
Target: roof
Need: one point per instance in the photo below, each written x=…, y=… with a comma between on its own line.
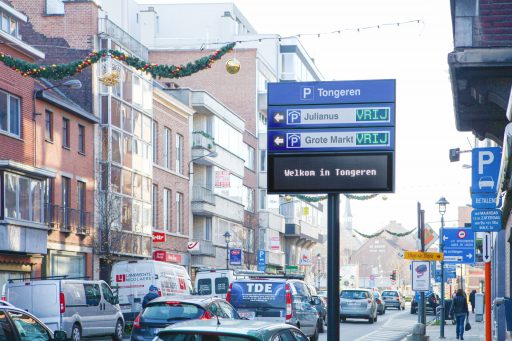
x=233, y=327
x=199, y=300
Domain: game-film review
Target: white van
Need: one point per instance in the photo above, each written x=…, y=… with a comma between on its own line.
x=215, y=282
x=132, y=279
x=78, y=307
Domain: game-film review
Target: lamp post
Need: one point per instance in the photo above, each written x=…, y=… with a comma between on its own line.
x=227, y=238
x=318, y=263
x=210, y=154
x=442, y=202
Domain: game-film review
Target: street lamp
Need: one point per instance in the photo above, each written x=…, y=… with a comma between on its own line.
x=210, y=154
x=318, y=263
x=442, y=202
x=227, y=238
x=71, y=83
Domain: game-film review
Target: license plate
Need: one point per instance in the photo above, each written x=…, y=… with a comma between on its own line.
x=155, y=331
x=247, y=314
x=353, y=303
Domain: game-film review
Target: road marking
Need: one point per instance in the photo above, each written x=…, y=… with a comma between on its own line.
x=392, y=333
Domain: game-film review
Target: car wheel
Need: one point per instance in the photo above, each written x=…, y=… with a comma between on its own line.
x=119, y=331
x=370, y=320
x=315, y=335
x=343, y=319
x=384, y=311
x=76, y=333
x=320, y=326
x=375, y=318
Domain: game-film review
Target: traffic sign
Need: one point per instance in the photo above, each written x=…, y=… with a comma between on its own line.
x=354, y=139
x=418, y=255
x=420, y=276
x=487, y=247
x=487, y=220
x=459, y=245
x=485, y=200
x=430, y=236
x=262, y=261
x=485, y=169
x=331, y=116
x=335, y=92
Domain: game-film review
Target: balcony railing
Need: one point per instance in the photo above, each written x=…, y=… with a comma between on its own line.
x=203, y=194
x=120, y=36
x=66, y=219
x=202, y=140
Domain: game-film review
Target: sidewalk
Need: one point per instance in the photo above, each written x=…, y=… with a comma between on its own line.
x=476, y=333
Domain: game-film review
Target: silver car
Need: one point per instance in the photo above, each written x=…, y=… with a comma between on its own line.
x=358, y=303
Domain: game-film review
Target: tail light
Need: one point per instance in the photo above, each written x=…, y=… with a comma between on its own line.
x=228, y=296
x=136, y=322
x=369, y=301
x=4, y=298
x=378, y=301
x=160, y=293
x=397, y=298
x=62, y=303
x=207, y=315
x=288, y=303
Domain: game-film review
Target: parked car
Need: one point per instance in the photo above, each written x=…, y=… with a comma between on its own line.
x=78, y=307
x=320, y=304
x=231, y=330
x=5, y=304
x=165, y=311
x=276, y=299
x=358, y=303
x=19, y=325
x=432, y=300
x=381, y=304
x=213, y=282
x=393, y=298
x=132, y=280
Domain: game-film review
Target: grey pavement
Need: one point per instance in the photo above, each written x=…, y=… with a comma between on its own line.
x=476, y=333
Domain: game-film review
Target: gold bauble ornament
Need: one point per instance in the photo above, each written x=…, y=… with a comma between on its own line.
x=233, y=66
x=110, y=79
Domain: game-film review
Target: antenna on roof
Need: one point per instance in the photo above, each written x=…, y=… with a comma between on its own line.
x=218, y=321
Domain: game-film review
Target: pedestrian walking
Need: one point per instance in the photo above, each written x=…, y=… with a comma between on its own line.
x=472, y=300
x=151, y=295
x=459, y=310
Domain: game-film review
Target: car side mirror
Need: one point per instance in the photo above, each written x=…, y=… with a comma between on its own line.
x=315, y=301
x=59, y=335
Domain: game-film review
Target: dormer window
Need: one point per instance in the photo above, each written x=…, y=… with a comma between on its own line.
x=8, y=24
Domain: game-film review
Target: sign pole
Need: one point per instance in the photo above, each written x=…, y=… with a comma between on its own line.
x=487, y=304
x=441, y=249
x=333, y=266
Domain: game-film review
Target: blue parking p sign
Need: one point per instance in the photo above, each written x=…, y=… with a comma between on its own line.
x=485, y=170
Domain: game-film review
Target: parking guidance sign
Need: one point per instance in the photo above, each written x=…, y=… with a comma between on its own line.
x=331, y=137
x=459, y=245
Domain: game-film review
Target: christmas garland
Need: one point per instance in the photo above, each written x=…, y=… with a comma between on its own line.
x=60, y=71
x=396, y=234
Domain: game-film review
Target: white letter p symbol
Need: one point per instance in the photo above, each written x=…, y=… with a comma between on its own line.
x=484, y=158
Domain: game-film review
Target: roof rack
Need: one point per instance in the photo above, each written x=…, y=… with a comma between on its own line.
x=286, y=276
x=11, y=280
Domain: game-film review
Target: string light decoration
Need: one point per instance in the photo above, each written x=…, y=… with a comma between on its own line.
x=60, y=71
x=376, y=234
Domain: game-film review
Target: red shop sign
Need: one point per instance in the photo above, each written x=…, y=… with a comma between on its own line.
x=158, y=237
x=164, y=256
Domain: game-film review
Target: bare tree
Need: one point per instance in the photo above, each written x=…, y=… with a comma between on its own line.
x=109, y=237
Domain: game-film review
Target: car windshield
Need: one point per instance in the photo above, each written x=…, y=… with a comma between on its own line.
x=354, y=295
x=389, y=294
x=199, y=336
x=169, y=311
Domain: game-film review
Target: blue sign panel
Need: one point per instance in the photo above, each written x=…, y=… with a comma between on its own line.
x=235, y=256
x=355, y=139
x=485, y=170
x=336, y=92
x=485, y=200
x=459, y=245
x=262, y=261
x=486, y=220
x=331, y=116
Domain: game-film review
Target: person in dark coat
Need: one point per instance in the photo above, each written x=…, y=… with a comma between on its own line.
x=459, y=310
x=151, y=295
x=472, y=300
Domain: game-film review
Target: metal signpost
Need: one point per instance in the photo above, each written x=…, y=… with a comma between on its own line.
x=331, y=137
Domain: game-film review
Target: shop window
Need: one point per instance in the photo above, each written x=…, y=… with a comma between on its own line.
x=23, y=198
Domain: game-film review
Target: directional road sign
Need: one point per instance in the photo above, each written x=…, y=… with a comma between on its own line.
x=486, y=220
x=459, y=245
x=485, y=200
x=485, y=169
x=418, y=255
x=487, y=247
x=330, y=116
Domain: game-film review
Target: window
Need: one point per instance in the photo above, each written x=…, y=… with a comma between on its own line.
x=23, y=198
x=263, y=199
x=81, y=203
x=81, y=139
x=67, y=264
x=54, y=7
x=179, y=154
x=249, y=157
x=208, y=228
x=65, y=200
x=155, y=142
x=9, y=114
x=28, y=328
x=108, y=295
x=155, y=206
x=167, y=148
x=48, y=198
x=92, y=294
x=48, y=128
x=179, y=212
x=65, y=132
x=5, y=328
x=167, y=209
x=263, y=160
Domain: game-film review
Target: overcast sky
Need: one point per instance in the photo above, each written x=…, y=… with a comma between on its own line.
x=413, y=54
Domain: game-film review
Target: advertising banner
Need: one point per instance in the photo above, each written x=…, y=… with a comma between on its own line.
x=305, y=259
x=222, y=178
x=235, y=256
x=420, y=276
x=158, y=237
x=275, y=244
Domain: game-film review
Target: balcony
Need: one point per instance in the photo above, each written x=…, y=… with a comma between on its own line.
x=206, y=203
x=302, y=230
x=204, y=247
x=201, y=140
x=270, y=220
x=65, y=219
x=275, y=258
x=108, y=28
